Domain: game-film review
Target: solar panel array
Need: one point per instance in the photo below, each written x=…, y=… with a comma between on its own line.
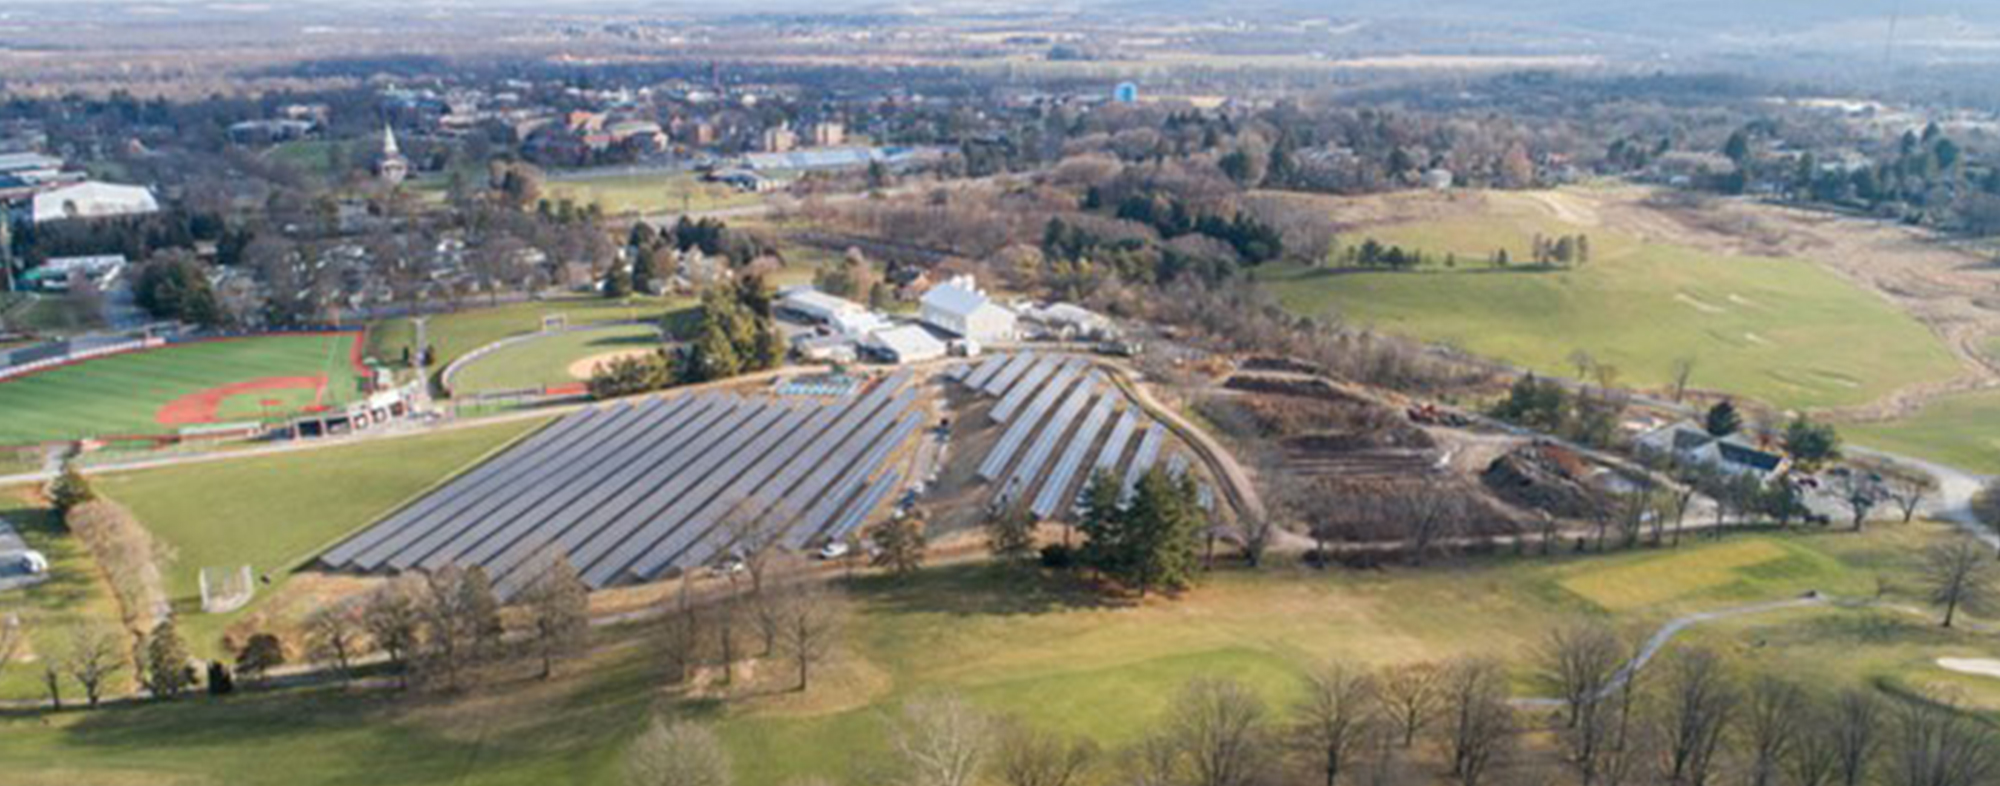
x=632, y=491
x=1052, y=431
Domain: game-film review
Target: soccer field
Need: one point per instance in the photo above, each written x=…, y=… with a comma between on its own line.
x=160, y=391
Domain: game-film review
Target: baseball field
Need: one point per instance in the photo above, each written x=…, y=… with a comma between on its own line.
x=164, y=390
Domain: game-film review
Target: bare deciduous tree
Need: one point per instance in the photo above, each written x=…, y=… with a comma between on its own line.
x=334, y=635
x=1909, y=488
x=1772, y=715
x=1857, y=735
x=1957, y=574
x=1410, y=698
x=1480, y=721
x=808, y=616
x=1937, y=744
x=395, y=624
x=92, y=657
x=1025, y=756
x=1334, y=718
x=941, y=741
x=1583, y=661
x=1219, y=727
x=558, y=611
x=679, y=754
x=1683, y=370
x=1814, y=758
x=1699, y=703
x=13, y=637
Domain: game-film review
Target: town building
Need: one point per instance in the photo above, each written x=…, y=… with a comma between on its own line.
x=1689, y=443
x=960, y=308
x=391, y=168
x=778, y=139
x=93, y=199
x=904, y=344
x=828, y=134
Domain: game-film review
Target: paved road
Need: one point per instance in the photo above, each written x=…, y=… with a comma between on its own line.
x=1665, y=635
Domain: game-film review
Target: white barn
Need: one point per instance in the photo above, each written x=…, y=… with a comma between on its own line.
x=958, y=307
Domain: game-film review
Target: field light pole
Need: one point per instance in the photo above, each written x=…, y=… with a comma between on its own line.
x=423, y=360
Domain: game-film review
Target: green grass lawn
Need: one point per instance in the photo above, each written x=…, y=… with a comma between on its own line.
x=312, y=156
x=276, y=512
x=546, y=361
x=42, y=313
x=669, y=192
x=122, y=394
x=457, y=333
x=1961, y=430
x=1049, y=653
x=1779, y=330
x=72, y=595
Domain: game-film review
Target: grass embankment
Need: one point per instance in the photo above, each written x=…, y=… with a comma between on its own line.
x=1961, y=430
x=657, y=192
x=123, y=394
x=546, y=361
x=274, y=513
x=1784, y=331
x=1039, y=649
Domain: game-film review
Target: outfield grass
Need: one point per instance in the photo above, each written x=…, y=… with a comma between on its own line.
x=1962, y=430
x=123, y=394
x=546, y=361
x=276, y=512
x=1783, y=331
x=457, y=333
x=1039, y=649
x=665, y=192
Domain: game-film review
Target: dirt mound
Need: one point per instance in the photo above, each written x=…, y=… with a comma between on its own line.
x=1283, y=364
x=1290, y=386
x=1543, y=477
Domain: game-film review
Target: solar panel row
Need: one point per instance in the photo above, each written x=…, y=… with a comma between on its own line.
x=1003, y=380
x=396, y=521
x=1030, y=468
x=636, y=489
x=1026, y=387
x=985, y=370
x=1142, y=462
x=869, y=501
x=1052, y=497
x=822, y=515
x=1017, y=434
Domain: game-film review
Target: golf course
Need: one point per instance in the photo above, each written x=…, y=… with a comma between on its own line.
x=1780, y=330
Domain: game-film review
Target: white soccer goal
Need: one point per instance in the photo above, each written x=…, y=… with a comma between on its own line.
x=225, y=590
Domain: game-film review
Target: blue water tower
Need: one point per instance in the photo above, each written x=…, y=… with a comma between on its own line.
x=1125, y=93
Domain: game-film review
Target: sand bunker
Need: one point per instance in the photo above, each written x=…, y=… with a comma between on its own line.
x=1984, y=667
x=582, y=369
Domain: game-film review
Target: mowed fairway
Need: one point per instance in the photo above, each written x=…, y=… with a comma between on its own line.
x=1784, y=331
x=1961, y=430
x=1053, y=655
x=124, y=394
x=547, y=360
